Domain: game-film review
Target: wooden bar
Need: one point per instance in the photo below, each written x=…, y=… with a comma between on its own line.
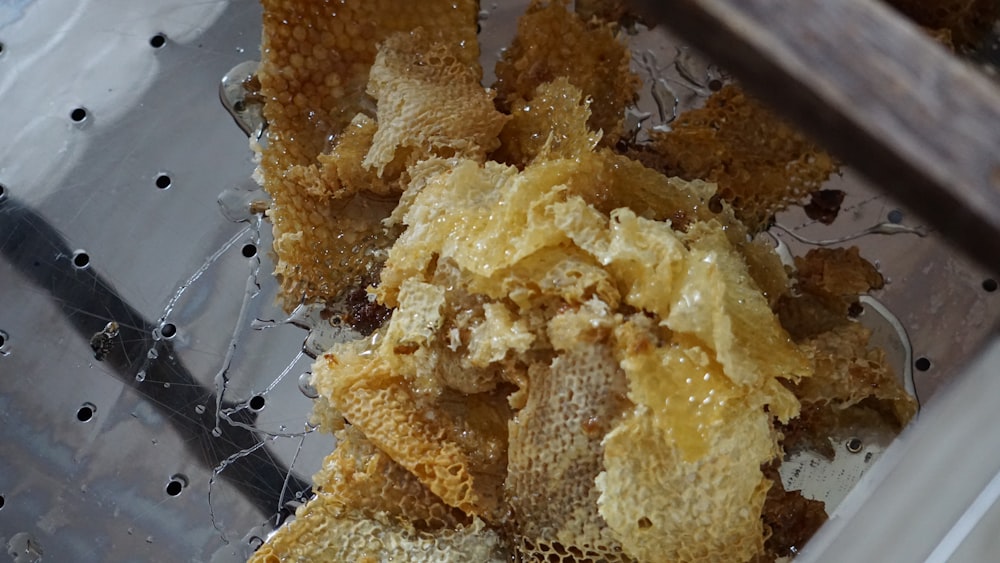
x=874, y=89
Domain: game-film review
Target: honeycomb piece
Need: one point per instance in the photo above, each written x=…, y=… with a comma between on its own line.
x=418, y=316
x=383, y=406
x=552, y=125
x=836, y=272
x=360, y=490
x=320, y=533
x=339, y=174
x=608, y=11
x=467, y=226
x=316, y=60
x=848, y=371
x=499, y=333
x=555, y=448
x=662, y=507
x=790, y=519
x=760, y=163
x=553, y=43
x=429, y=103
x=966, y=21
x=313, y=73
x=828, y=282
x=765, y=267
x=719, y=304
x=682, y=478
x=365, y=481
x=469, y=352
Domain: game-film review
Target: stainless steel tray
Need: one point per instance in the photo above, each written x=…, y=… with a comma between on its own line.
x=116, y=153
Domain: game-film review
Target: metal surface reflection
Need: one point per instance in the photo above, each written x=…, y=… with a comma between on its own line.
x=134, y=271
x=90, y=303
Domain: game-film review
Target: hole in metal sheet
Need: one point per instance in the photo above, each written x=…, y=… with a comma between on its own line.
x=158, y=40
x=3, y=192
x=922, y=364
x=990, y=285
x=249, y=250
x=81, y=259
x=257, y=402
x=1, y=48
x=895, y=216
x=163, y=181
x=168, y=330
x=86, y=412
x=78, y=115
x=176, y=485
x=715, y=85
x=2, y=501
x=854, y=445
x=3, y=339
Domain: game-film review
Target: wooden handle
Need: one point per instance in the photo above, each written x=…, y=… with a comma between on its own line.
x=871, y=87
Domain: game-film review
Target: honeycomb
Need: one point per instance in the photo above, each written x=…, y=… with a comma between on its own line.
x=552, y=43
x=760, y=163
x=411, y=76
x=847, y=372
x=320, y=533
x=555, y=108
x=790, y=519
x=586, y=360
x=313, y=78
x=827, y=282
x=607, y=10
x=386, y=410
x=853, y=385
x=593, y=267
x=966, y=21
x=571, y=405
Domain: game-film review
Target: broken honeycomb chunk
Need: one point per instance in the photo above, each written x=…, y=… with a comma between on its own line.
x=848, y=371
x=552, y=42
x=555, y=450
x=313, y=76
x=662, y=507
x=552, y=125
x=760, y=163
x=316, y=59
x=828, y=282
x=579, y=359
x=966, y=21
x=389, y=413
x=429, y=102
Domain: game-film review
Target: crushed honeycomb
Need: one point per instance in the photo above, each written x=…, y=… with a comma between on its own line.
x=847, y=372
x=760, y=163
x=827, y=283
x=552, y=43
x=852, y=384
x=586, y=360
x=790, y=519
x=965, y=21
x=327, y=206
x=607, y=10
x=580, y=328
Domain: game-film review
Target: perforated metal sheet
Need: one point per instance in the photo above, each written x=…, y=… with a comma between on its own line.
x=113, y=215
